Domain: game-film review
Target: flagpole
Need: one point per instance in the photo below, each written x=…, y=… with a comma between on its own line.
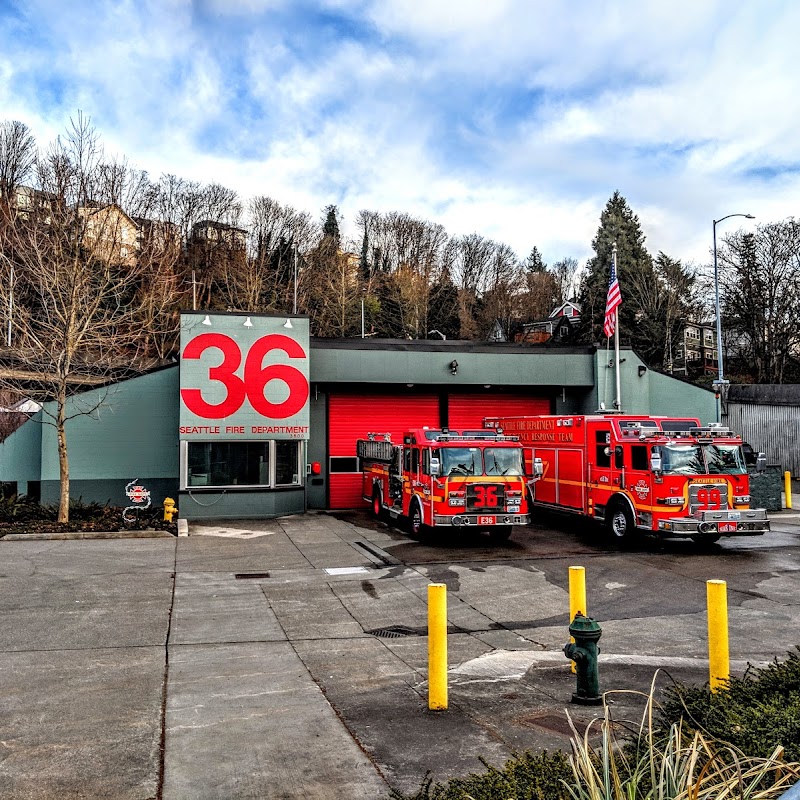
x=618, y=402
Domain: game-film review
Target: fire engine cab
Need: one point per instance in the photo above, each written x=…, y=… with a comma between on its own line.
x=664, y=476
x=445, y=478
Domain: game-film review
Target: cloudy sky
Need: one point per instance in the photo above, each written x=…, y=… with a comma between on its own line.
x=516, y=119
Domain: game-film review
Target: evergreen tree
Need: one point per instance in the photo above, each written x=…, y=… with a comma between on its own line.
x=363, y=261
x=443, y=306
x=534, y=262
x=637, y=280
x=330, y=227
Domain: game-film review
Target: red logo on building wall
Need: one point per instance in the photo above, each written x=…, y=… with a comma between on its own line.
x=137, y=493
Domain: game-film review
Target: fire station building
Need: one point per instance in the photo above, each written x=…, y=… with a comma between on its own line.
x=258, y=419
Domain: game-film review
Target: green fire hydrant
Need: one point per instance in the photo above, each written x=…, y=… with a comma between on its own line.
x=583, y=652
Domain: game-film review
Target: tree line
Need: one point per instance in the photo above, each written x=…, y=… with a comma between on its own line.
x=400, y=277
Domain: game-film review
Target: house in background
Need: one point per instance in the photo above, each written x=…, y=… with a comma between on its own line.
x=210, y=234
x=695, y=354
x=558, y=327
x=112, y=235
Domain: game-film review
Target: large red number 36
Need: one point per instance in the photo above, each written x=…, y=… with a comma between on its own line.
x=256, y=377
x=486, y=496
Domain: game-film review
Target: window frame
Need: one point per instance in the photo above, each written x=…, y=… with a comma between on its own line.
x=272, y=485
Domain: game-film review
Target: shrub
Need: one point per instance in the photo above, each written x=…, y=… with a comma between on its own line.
x=21, y=508
x=527, y=776
x=755, y=713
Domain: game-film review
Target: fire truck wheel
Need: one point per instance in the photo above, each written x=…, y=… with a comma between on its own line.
x=377, y=505
x=621, y=526
x=417, y=527
x=500, y=534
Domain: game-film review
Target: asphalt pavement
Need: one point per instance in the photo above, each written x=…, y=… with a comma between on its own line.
x=288, y=658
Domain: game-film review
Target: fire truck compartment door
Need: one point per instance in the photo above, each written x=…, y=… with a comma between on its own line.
x=544, y=490
x=571, y=480
x=562, y=483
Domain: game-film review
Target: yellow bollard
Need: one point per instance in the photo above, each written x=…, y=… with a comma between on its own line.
x=577, y=596
x=787, y=488
x=719, y=668
x=437, y=647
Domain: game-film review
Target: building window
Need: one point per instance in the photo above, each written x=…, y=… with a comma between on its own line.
x=348, y=464
x=264, y=464
x=287, y=463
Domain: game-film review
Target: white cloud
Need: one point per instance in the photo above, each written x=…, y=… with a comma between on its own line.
x=512, y=119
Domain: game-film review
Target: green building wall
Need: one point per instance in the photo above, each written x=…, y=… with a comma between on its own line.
x=114, y=435
x=133, y=431
x=21, y=457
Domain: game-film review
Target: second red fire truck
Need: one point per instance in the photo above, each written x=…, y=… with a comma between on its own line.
x=657, y=475
x=446, y=479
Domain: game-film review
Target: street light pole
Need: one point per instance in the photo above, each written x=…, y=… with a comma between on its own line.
x=720, y=381
x=294, y=304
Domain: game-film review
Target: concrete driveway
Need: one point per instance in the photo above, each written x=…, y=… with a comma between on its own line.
x=288, y=658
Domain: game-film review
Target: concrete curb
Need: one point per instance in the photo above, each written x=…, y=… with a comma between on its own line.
x=27, y=537
x=183, y=527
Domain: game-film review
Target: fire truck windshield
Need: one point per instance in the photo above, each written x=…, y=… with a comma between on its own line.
x=725, y=459
x=694, y=459
x=682, y=459
x=460, y=460
x=503, y=460
x=470, y=460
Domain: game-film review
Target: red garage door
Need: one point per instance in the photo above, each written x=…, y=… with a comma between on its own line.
x=352, y=417
x=467, y=411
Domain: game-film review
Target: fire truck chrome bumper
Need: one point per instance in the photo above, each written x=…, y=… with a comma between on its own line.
x=472, y=519
x=748, y=522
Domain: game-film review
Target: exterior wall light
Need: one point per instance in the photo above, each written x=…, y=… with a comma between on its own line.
x=454, y=367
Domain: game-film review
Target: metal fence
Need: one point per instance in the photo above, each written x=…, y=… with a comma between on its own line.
x=773, y=429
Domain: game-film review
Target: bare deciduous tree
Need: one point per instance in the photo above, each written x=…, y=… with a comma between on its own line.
x=760, y=287
x=83, y=291
x=17, y=156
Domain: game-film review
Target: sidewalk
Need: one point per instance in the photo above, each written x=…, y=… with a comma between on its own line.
x=288, y=658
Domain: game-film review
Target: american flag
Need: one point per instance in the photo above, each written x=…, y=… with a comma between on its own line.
x=613, y=299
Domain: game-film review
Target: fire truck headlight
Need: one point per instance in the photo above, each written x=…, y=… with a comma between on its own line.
x=670, y=501
x=457, y=502
x=742, y=499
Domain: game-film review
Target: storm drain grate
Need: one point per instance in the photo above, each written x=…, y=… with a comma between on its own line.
x=393, y=632
x=253, y=576
x=555, y=722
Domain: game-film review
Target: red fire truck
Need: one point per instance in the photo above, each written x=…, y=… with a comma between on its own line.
x=659, y=475
x=445, y=478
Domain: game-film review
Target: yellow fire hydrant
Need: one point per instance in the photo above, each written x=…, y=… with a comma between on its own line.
x=169, y=509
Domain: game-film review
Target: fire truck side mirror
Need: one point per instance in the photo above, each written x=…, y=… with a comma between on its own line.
x=655, y=461
x=538, y=468
x=761, y=462
x=434, y=467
